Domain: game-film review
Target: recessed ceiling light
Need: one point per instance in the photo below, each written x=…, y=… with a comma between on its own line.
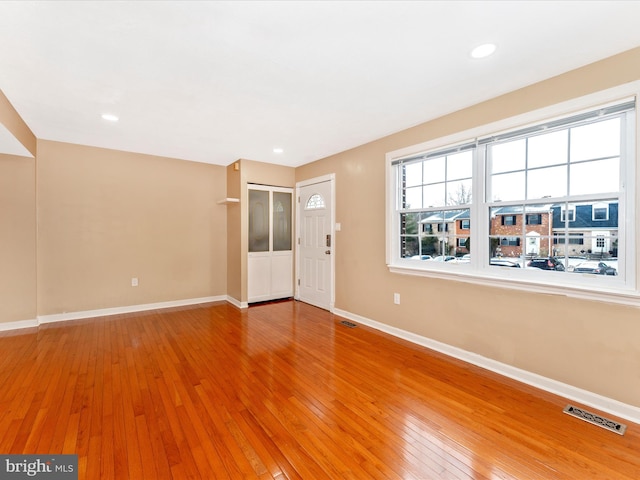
x=109, y=117
x=278, y=150
x=483, y=51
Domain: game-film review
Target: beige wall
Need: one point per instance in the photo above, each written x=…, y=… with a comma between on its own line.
x=106, y=216
x=590, y=345
x=234, y=229
x=17, y=238
x=14, y=124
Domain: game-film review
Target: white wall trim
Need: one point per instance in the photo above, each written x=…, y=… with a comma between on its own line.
x=237, y=303
x=18, y=325
x=62, y=317
x=615, y=407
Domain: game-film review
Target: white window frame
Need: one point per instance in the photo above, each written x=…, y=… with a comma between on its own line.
x=571, y=212
x=600, y=206
x=621, y=289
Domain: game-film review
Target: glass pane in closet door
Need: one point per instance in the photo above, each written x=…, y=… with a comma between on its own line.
x=281, y=221
x=258, y=221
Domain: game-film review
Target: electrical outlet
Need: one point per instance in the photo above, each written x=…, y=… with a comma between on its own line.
x=134, y=281
x=396, y=298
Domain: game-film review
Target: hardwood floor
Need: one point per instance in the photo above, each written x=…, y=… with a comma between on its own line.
x=281, y=391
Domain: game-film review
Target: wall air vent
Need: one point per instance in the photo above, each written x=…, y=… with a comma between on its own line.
x=348, y=324
x=605, y=423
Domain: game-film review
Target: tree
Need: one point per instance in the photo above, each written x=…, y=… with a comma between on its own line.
x=462, y=196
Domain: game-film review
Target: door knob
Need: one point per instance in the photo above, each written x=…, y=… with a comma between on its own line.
x=328, y=252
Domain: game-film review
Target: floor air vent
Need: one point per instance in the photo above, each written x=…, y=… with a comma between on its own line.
x=605, y=423
x=348, y=324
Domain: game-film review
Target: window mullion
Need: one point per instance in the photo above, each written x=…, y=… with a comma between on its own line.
x=479, y=209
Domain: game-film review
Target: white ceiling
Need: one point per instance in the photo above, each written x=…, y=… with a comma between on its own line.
x=218, y=81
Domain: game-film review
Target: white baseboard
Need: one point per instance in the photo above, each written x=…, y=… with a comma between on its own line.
x=237, y=303
x=103, y=312
x=614, y=407
x=18, y=325
x=63, y=317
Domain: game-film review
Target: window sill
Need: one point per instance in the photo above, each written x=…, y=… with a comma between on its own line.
x=461, y=274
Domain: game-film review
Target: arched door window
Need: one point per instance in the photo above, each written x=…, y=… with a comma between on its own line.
x=315, y=201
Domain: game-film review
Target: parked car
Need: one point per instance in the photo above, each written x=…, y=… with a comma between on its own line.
x=501, y=262
x=463, y=259
x=546, y=263
x=443, y=258
x=595, y=267
x=420, y=257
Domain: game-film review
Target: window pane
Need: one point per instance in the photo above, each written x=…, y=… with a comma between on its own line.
x=460, y=165
x=413, y=197
x=413, y=174
x=459, y=193
x=548, y=149
x=408, y=247
x=547, y=182
x=434, y=195
x=595, y=177
x=315, y=201
x=429, y=245
x=434, y=170
x=596, y=140
x=507, y=186
x=258, y=221
x=507, y=157
x=281, y=221
x=409, y=223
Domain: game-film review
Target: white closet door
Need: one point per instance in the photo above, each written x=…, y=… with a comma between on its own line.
x=270, y=265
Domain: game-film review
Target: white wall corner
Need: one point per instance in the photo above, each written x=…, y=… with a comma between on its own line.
x=236, y=303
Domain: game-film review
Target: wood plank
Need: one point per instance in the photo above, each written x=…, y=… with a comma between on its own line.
x=282, y=390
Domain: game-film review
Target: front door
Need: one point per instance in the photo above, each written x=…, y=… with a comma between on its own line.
x=316, y=245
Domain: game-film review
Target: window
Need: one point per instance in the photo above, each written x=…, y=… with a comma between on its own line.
x=534, y=219
x=509, y=220
x=510, y=241
x=315, y=201
x=600, y=212
x=574, y=239
x=555, y=188
x=568, y=216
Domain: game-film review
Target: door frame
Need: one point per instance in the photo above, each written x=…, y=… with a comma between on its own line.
x=331, y=178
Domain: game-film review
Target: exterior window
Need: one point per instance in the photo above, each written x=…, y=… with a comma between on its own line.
x=534, y=219
x=568, y=216
x=509, y=220
x=574, y=239
x=510, y=241
x=600, y=212
x=546, y=194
